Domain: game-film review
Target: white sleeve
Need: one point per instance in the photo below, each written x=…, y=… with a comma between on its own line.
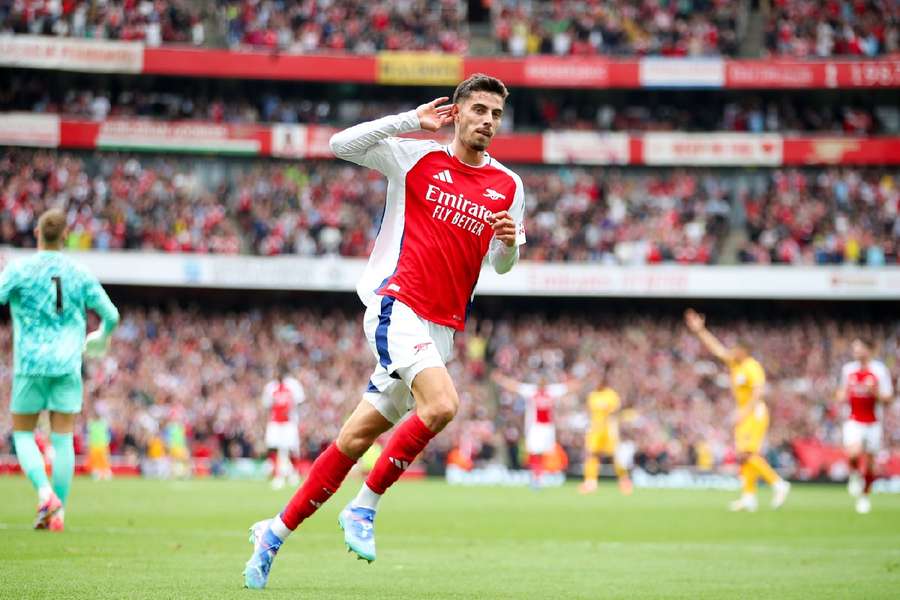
x=885, y=385
x=502, y=257
x=526, y=389
x=267, y=395
x=845, y=374
x=298, y=392
x=372, y=144
x=558, y=390
x=517, y=211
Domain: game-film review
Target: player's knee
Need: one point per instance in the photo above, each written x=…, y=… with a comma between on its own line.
x=439, y=410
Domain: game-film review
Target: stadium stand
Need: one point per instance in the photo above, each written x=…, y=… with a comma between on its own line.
x=695, y=28
x=314, y=208
x=208, y=368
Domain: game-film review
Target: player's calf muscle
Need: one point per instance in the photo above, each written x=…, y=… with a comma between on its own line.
x=361, y=430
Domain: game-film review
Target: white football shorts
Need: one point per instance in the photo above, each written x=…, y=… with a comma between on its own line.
x=282, y=436
x=540, y=438
x=404, y=344
x=864, y=435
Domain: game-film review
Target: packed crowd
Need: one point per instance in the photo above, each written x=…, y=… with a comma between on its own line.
x=549, y=110
x=618, y=27
x=809, y=28
x=835, y=216
x=206, y=371
x=125, y=100
x=154, y=22
x=520, y=27
x=315, y=208
x=342, y=25
x=703, y=112
x=328, y=208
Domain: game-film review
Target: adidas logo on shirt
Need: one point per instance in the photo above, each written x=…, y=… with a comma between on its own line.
x=443, y=176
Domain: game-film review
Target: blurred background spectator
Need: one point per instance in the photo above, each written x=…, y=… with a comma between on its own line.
x=313, y=208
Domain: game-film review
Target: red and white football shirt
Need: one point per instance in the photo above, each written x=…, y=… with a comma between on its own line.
x=436, y=229
x=540, y=402
x=282, y=398
x=863, y=385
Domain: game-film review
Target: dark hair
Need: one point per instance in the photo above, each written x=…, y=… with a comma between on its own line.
x=52, y=225
x=479, y=82
x=866, y=341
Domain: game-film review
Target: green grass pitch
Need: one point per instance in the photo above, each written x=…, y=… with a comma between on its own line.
x=134, y=539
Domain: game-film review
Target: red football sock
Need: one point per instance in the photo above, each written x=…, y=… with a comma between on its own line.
x=862, y=464
x=536, y=464
x=408, y=441
x=324, y=479
x=868, y=477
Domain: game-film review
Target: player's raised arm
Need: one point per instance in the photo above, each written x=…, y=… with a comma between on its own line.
x=697, y=324
x=97, y=300
x=507, y=383
x=367, y=144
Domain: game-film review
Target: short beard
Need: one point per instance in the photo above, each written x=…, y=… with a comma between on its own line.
x=478, y=146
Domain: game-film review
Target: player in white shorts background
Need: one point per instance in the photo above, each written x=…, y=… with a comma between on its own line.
x=281, y=397
x=865, y=383
x=540, y=428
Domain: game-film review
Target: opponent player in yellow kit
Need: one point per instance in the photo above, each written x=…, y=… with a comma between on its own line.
x=602, y=438
x=752, y=418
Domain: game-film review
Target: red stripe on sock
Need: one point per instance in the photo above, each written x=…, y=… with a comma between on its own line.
x=408, y=441
x=325, y=477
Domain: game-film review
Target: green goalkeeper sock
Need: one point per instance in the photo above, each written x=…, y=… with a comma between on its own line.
x=31, y=461
x=63, y=464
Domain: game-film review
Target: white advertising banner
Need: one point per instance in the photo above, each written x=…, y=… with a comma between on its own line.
x=713, y=149
x=177, y=136
x=526, y=279
x=682, y=72
x=44, y=52
x=586, y=148
x=29, y=129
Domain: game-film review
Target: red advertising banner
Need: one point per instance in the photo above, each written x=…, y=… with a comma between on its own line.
x=259, y=65
x=558, y=71
x=819, y=460
x=760, y=74
x=841, y=151
x=78, y=134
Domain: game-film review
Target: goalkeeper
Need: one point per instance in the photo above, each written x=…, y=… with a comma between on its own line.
x=49, y=295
